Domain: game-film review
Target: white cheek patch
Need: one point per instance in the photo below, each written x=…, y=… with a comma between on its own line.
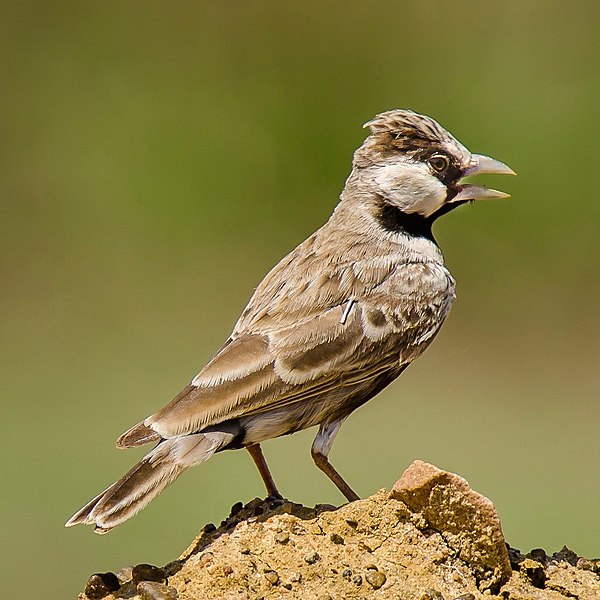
x=410, y=187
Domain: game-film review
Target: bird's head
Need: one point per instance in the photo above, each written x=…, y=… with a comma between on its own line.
x=416, y=167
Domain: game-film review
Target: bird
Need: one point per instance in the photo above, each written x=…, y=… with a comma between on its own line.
x=332, y=324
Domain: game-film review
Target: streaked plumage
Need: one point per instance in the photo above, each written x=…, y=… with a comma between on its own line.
x=332, y=324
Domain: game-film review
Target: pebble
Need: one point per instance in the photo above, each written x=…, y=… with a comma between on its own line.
x=296, y=577
x=209, y=528
x=375, y=578
x=152, y=590
x=235, y=509
x=172, y=568
x=539, y=554
x=100, y=585
x=352, y=523
x=465, y=597
x=144, y=572
x=227, y=570
x=336, y=538
x=534, y=571
x=319, y=508
x=273, y=499
x=567, y=555
x=346, y=574
x=357, y=580
x=125, y=574
x=283, y=537
x=206, y=559
x=272, y=577
x=588, y=565
x=311, y=558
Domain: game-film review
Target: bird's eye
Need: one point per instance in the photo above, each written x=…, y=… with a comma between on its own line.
x=439, y=163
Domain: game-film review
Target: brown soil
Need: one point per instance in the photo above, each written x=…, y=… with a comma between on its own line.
x=431, y=538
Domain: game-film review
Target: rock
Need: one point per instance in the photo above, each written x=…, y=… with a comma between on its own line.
x=272, y=577
x=410, y=553
x=100, y=585
x=534, y=572
x=467, y=520
x=375, y=579
x=144, y=572
x=152, y=590
x=336, y=538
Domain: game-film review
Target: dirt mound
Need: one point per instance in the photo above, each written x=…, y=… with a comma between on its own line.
x=430, y=538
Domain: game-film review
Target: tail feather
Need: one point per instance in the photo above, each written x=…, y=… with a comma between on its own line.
x=138, y=435
x=160, y=467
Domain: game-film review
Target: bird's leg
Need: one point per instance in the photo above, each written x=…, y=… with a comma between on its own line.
x=320, y=449
x=261, y=464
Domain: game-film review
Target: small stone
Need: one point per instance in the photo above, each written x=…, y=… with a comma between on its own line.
x=465, y=597
x=100, y=585
x=585, y=564
x=125, y=574
x=449, y=505
x=336, y=538
x=352, y=523
x=515, y=557
x=539, y=555
x=273, y=499
x=172, y=568
x=145, y=572
x=534, y=572
x=235, y=509
x=319, y=508
x=311, y=558
x=347, y=574
x=209, y=528
x=567, y=555
x=296, y=577
x=206, y=559
x=283, y=537
x=152, y=590
x=371, y=567
x=375, y=578
x=227, y=570
x=272, y=577
x=357, y=580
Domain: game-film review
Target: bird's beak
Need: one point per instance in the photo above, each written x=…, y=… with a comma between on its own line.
x=482, y=164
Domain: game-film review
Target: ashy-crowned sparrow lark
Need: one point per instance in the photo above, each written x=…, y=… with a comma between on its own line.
x=331, y=325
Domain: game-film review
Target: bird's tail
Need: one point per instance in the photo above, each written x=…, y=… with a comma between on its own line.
x=160, y=467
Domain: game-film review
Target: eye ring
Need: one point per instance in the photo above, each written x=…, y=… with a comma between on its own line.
x=439, y=163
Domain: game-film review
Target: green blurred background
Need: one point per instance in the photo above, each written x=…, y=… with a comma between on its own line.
x=156, y=159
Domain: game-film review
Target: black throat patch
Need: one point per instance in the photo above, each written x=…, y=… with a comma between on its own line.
x=393, y=219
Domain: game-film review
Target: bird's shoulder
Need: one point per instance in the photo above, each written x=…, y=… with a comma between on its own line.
x=334, y=266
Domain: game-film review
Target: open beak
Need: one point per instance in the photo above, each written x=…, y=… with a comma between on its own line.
x=482, y=164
